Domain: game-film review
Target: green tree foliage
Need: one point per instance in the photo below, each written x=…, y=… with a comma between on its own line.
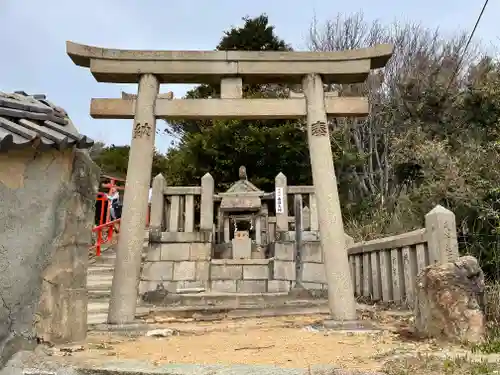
x=220, y=150
x=256, y=34
x=220, y=147
x=431, y=136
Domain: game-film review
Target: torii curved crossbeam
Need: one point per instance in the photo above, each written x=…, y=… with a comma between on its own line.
x=125, y=66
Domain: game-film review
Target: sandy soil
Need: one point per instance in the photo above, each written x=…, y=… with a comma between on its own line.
x=284, y=342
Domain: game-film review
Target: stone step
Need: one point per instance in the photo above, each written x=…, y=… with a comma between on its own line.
x=215, y=298
x=96, y=282
x=95, y=308
x=105, y=260
x=98, y=307
x=101, y=269
x=209, y=313
x=99, y=294
x=100, y=318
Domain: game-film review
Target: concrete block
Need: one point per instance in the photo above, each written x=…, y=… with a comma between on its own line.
x=310, y=236
x=200, y=251
x=240, y=262
x=251, y=286
x=284, y=251
x=190, y=285
x=157, y=271
x=226, y=272
x=256, y=272
x=202, y=270
x=224, y=286
x=313, y=273
x=186, y=237
x=175, y=251
x=153, y=252
x=311, y=252
x=313, y=286
x=278, y=286
x=184, y=271
x=283, y=270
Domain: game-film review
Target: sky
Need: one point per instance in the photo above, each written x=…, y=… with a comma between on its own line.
x=33, y=35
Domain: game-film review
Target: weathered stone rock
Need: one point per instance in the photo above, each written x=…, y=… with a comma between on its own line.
x=450, y=301
x=47, y=202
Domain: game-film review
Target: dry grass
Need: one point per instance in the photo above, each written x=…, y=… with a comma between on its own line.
x=492, y=313
x=426, y=365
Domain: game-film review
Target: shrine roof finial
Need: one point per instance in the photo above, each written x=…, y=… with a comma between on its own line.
x=242, y=173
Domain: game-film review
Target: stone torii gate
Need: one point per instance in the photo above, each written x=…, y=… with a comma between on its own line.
x=230, y=69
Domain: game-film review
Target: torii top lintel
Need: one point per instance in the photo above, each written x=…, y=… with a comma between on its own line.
x=125, y=66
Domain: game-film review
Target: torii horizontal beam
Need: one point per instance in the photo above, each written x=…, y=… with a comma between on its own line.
x=229, y=108
x=125, y=66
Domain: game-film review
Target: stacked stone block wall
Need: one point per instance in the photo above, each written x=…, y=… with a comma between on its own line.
x=179, y=261
x=240, y=275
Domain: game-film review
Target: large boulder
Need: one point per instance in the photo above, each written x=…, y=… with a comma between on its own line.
x=449, y=301
x=47, y=202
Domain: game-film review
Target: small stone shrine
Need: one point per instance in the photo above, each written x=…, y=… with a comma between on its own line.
x=251, y=248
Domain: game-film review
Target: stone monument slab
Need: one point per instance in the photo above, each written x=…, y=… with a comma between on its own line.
x=242, y=245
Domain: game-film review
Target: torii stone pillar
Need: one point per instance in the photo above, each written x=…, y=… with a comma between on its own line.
x=133, y=222
x=340, y=290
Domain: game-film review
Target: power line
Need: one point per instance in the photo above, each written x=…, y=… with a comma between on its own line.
x=466, y=46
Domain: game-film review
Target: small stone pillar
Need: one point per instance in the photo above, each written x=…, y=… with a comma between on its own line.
x=306, y=218
x=258, y=230
x=227, y=230
x=281, y=203
x=156, y=224
x=441, y=235
x=340, y=289
x=314, y=226
x=207, y=203
x=135, y=205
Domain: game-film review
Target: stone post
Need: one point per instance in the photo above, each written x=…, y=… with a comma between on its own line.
x=258, y=230
x=135, y=203
x=340, y=290
x=207, y=203
x=281, y=203
x=441, y=235
x=156, y=224
x=227, y=230
x=231, y=88
x=299, y=223
x=314, y=213
x=306, y=218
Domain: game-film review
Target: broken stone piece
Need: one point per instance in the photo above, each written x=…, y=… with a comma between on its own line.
x=165, y=332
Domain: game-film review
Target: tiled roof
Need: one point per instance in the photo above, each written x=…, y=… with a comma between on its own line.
x=32, y=121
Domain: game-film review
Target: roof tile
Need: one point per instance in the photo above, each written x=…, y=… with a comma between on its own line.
x=33, y=121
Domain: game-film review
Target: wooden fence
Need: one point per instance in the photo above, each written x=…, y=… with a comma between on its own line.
x=386, y=269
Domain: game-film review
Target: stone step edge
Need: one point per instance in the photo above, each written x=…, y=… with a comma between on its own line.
x=240, y=313
x=151, y=309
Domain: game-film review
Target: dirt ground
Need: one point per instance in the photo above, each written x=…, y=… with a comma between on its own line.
x=283, y=341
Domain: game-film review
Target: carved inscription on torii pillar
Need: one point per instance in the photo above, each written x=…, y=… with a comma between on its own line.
x=230, y=69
